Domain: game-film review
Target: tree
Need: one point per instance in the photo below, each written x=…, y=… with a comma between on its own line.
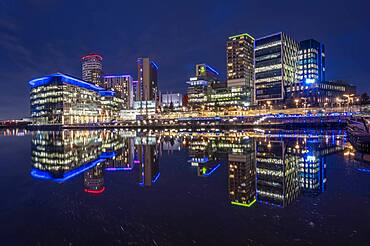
x=364, y=99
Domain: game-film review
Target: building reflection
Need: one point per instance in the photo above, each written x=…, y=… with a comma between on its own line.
x=277, y=172
x=242, y=175
x=204, y=156
x=61, y=155
x=94, y=180
x=268, y=169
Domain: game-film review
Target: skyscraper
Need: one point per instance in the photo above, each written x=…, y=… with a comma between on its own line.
x=147, y=80
x=92, y=69
x=311, y=62
x=122, y=85
x=275, y=62
x=240, y=63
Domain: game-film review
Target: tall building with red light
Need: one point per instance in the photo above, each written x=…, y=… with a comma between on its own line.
x=92, y=69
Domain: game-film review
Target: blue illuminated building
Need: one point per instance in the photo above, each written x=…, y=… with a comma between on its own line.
x=311, y=61
x=60, y=99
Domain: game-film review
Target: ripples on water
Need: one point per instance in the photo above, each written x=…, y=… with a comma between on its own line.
x=182, y=188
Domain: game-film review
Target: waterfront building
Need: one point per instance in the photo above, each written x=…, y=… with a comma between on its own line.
x=147, y=87
x=199, y=86
x=171, y=100
x=60, y=99
x=240, y=64
x=275, y=67
x=122, y=85
x=311, y=61
x=207, y=91
x=227, y=98
x=92, y=69
x=319, y=94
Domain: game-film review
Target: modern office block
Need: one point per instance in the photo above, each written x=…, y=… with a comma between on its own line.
x=59, y=99
x=311, y=62
x=275, y=67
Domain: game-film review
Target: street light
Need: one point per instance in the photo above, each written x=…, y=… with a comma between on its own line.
x=296, y=102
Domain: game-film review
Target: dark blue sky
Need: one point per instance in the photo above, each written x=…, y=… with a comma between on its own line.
x=39, y=37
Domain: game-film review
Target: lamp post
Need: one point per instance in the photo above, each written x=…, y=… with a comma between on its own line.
x=296, y=102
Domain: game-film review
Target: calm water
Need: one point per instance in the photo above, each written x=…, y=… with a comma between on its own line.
x=181, y=188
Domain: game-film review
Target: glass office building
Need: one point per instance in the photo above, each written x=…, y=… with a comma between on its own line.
x=59, y=99
x=311, y=61
x=275, y=67
x=200, y=86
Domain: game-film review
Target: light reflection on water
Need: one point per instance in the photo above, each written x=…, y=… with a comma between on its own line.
x=114, y=187
x=272, y=168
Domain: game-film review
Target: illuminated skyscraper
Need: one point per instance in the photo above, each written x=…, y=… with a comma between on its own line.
x=92, y=69
x=240, y=63
x=147, y=80
x=311, y=61
x=276, y=63
x=122, y=85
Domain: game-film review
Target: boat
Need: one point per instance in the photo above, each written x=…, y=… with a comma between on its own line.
x=358, y=134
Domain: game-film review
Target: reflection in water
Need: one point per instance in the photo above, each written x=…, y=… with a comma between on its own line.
x=272, y=169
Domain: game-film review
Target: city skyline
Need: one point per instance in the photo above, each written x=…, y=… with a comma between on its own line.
x=180, y=45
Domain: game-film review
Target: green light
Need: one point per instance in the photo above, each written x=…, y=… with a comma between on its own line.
x=241, y=35
x=204, y=170
x=202, y=69
x=244, y=204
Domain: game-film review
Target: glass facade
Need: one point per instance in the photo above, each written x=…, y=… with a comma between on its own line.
x=200, y=86
x=275, y=66
x=311, y=61
x=60, y=99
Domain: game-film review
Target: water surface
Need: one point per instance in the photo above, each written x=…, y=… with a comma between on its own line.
x=182, y=188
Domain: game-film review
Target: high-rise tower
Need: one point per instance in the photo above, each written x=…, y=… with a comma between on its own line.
x=92, y=69
x=147, y=88
x=276, y=67
x=311, y=62
x=240, y=64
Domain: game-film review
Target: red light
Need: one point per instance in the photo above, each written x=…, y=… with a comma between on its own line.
x=95, y=191
x=92, y=56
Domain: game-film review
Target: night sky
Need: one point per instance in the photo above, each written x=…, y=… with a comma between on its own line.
x=40, y=37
